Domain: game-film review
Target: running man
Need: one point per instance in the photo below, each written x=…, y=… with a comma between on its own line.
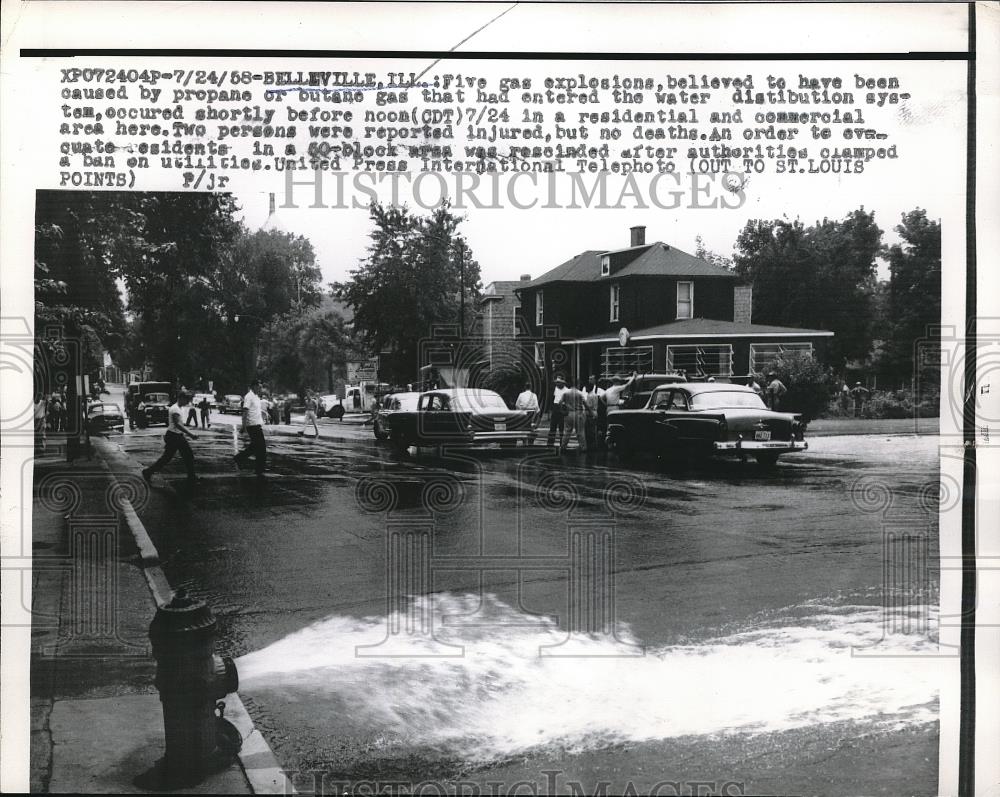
x=253, y=424
x=174, y=441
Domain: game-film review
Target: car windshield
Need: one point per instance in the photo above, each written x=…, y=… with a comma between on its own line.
x=478, y=402
x=727, y=399
x=406, y=402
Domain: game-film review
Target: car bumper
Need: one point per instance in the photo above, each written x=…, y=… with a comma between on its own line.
x=778, y=446
x=479, y=438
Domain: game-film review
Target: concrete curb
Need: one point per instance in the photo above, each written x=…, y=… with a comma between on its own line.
x=259, y=764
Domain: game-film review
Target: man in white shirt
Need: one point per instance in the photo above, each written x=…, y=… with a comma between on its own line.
x=614, y=393
x=528, y=401
x=253, y=424
x=556, y=416
x=174, y=440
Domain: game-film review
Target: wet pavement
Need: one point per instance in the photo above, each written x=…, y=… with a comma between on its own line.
x=456, y=615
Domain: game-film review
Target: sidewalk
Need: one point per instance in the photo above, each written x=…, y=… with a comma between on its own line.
x=96, y=718
x=825, y=427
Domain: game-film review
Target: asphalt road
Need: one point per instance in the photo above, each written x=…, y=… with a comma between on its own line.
x=467, y=617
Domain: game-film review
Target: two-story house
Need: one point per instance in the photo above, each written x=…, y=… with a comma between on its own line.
x=652, y=308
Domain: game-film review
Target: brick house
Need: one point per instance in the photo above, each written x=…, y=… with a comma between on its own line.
x=652, y=308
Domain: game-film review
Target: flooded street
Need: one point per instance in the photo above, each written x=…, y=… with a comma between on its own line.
x=456, y=617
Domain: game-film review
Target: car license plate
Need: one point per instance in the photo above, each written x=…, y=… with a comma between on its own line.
x=765, y=435
x=499, y=427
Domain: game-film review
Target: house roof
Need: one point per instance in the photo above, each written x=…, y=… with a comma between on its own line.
x=656, y=259
x=700, y=328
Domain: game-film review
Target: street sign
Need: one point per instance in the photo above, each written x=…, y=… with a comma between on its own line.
x=362, y=370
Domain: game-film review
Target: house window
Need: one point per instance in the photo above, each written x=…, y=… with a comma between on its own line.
x=685, y=300
x=517, y=309
x=605, y=265
x=540, y=354
x=701, y=361
x=539, y=308
x=763, y=354
x=618, y=361
x=615, y=295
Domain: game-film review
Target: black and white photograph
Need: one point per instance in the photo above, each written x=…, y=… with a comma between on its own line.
x=503, y=412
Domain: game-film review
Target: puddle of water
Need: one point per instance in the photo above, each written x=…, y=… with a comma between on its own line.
x=500, y=698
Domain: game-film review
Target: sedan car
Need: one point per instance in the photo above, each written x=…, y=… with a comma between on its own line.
x=461, y=415
x=153, y=408
x=231, y=403
x=103, y=418
x=703, y=419
x=388, y=407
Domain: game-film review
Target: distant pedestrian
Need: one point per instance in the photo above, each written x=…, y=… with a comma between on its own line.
x=556, y=424
x=57, y=412
x=253, y=424
x=287, y=410
x=528, y=401
x=174, y=440
x=860, y=395
x=192, y=413
x=40, y=411
x=205, y=409
x=845, y=397
x=265, y=409
x=775, y=391
x=574, y=409
x=312, y=407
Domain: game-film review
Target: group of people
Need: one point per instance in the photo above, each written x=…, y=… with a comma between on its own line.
x=579, y=410
x=50, y=412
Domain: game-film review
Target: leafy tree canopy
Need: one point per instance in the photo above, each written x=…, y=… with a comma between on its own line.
x=411, y=280
x=821, y=276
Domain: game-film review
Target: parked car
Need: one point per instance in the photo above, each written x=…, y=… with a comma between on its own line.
x=153, y=409
x=231, y=403
x=388, y=407
x=135, y=393
x=103, y=417
x=702, y=419
x=459, y=415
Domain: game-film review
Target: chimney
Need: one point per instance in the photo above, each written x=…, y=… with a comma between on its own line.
x=270, y=204
x=742, y=304
x=525, y=278
x=638, y=235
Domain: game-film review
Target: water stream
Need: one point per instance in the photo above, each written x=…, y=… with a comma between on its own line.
x=500, y=697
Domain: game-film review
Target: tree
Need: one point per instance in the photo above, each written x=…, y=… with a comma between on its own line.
x=418, y=273
x=914, y=300
x=303, y=347
x=822, y=276
x=706, y=254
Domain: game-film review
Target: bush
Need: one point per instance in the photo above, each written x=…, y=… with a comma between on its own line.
x=808, y=383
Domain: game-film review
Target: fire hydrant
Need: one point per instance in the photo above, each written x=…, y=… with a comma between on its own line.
x=190, y=679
